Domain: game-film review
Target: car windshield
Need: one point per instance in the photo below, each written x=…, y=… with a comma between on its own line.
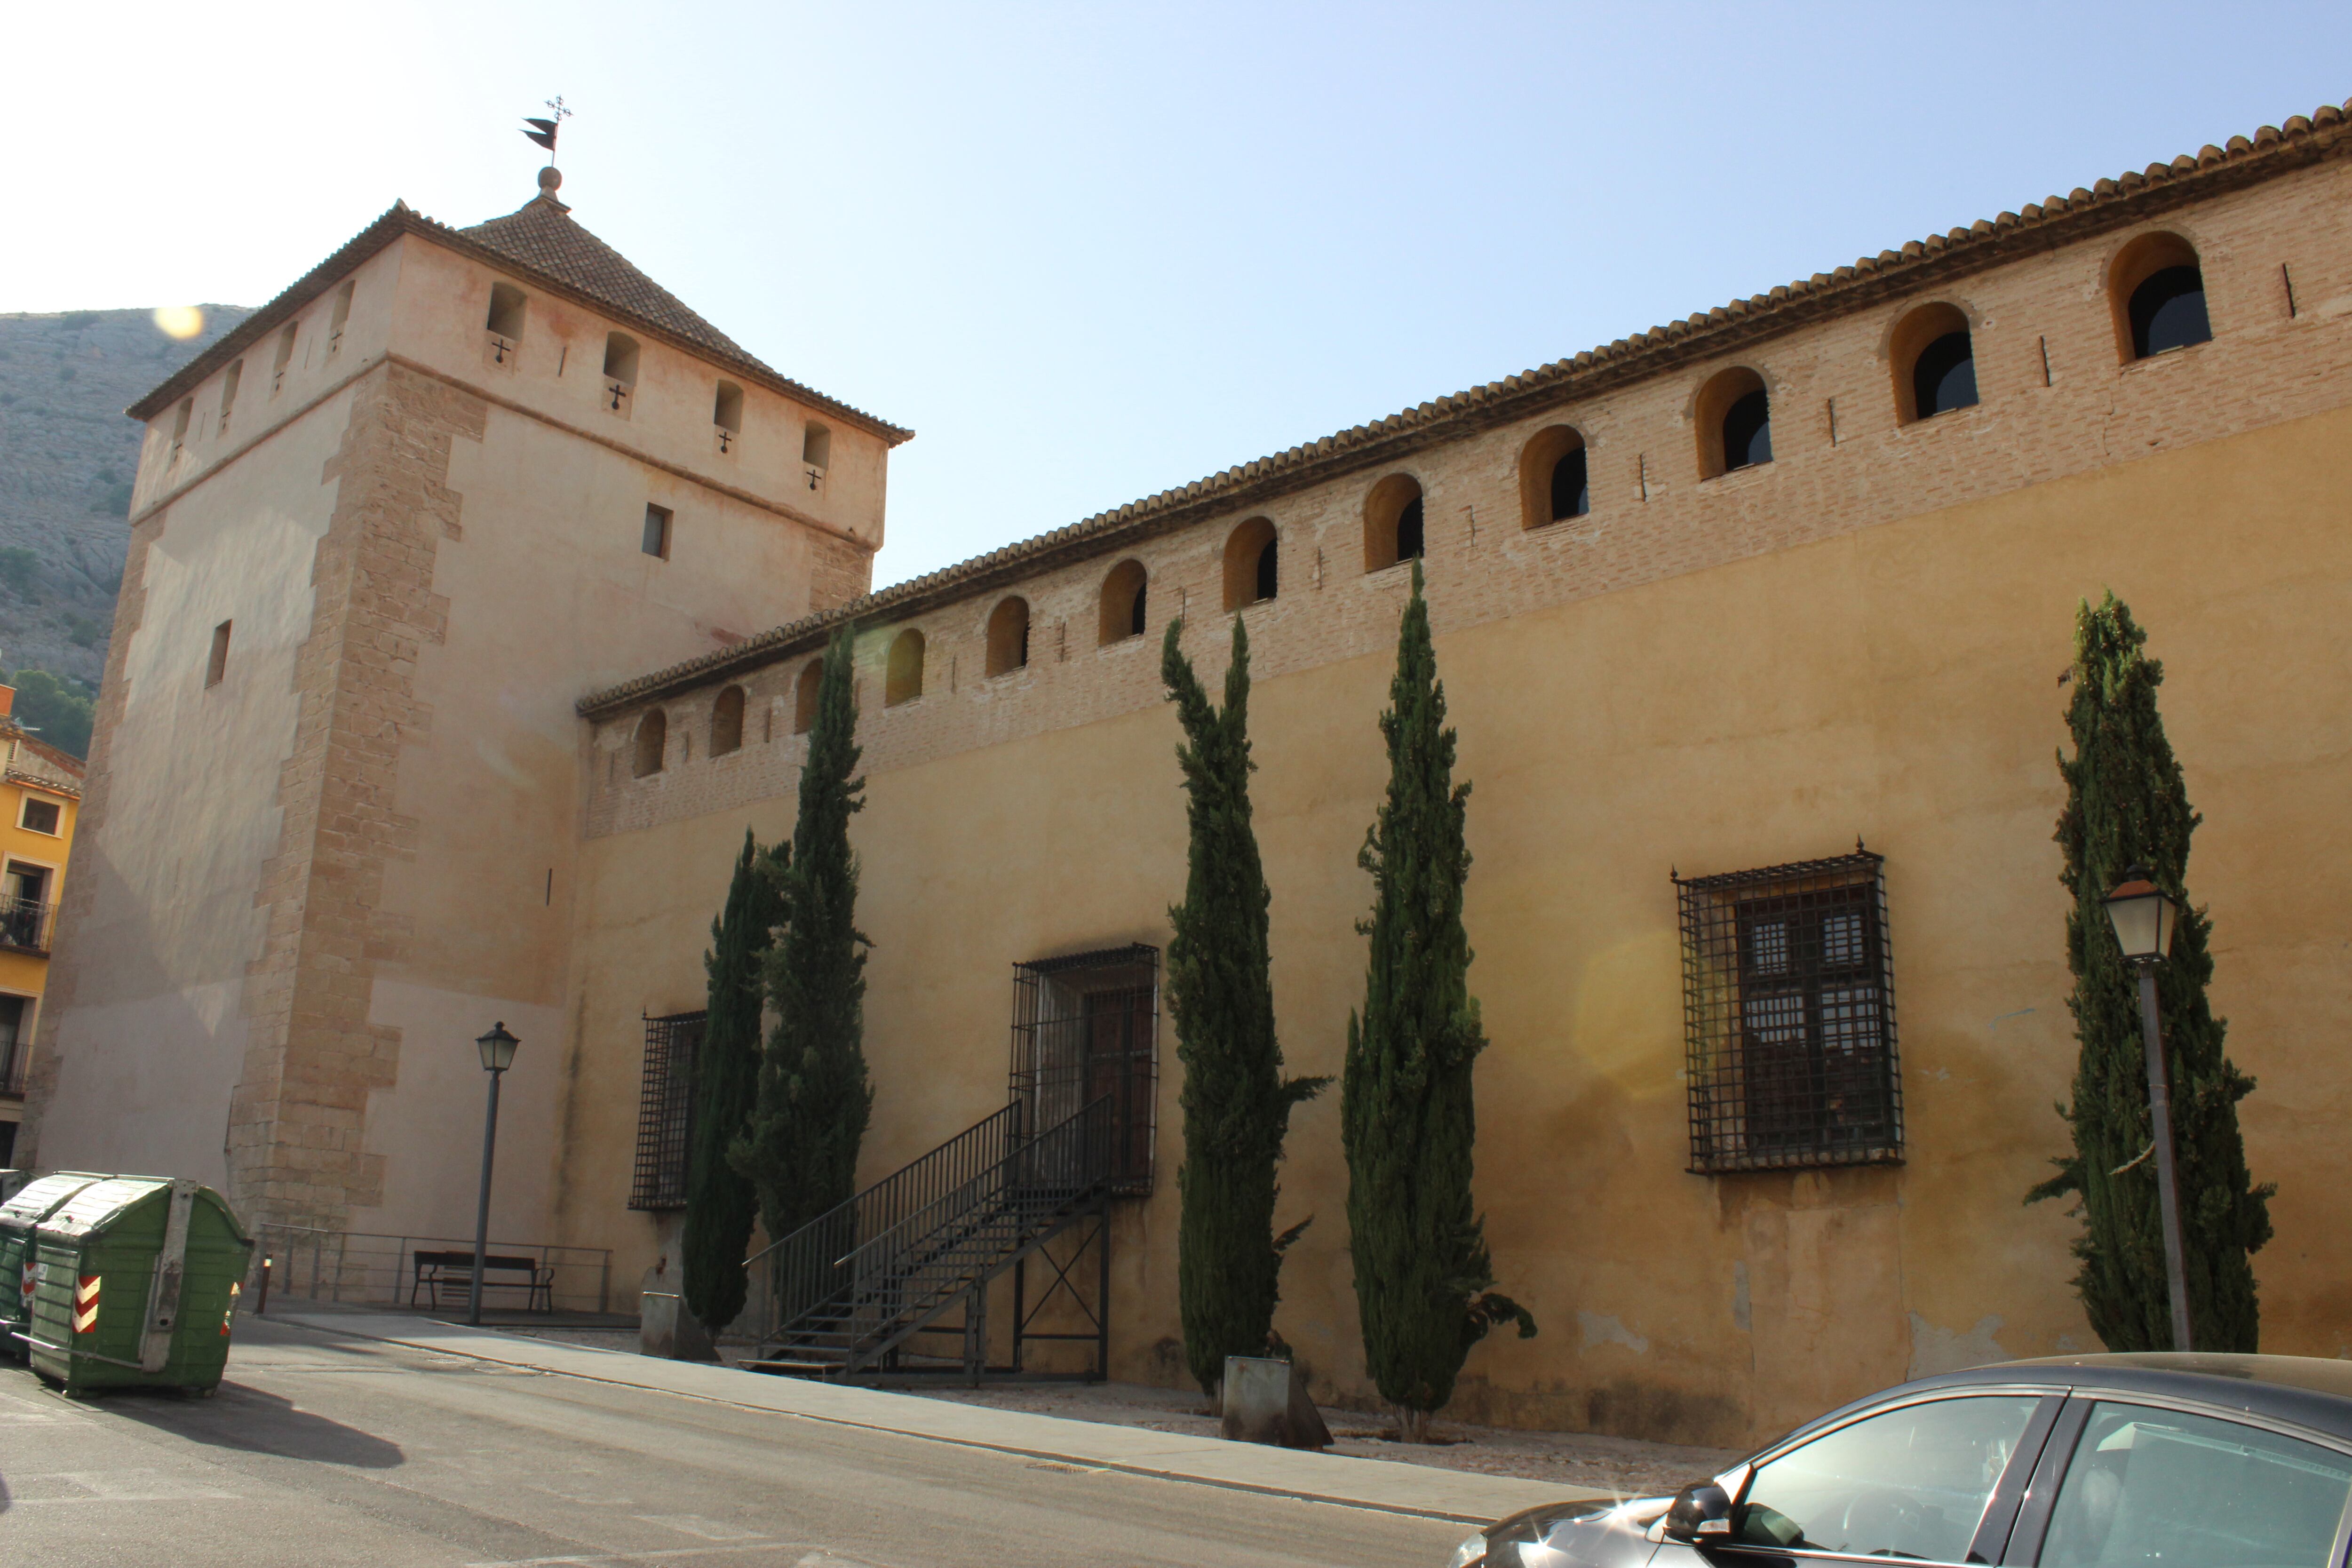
x=1912, y=1482
x=2150, y=1487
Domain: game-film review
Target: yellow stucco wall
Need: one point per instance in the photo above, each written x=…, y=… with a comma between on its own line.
x=25, y=975
x=1898, y=683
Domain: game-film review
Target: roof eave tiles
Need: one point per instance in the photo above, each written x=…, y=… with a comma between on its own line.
x=403, y=219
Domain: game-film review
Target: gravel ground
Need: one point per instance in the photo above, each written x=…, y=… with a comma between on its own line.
x=1574, y=1459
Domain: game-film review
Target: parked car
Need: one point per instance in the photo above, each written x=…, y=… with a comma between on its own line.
x=2093, y=1461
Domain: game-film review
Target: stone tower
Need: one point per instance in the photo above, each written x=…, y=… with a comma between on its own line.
x=384, y=536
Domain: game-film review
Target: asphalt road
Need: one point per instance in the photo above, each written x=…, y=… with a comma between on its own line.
x=327, y=1451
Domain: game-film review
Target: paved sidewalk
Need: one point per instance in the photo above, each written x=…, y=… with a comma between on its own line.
x=1378, y=1484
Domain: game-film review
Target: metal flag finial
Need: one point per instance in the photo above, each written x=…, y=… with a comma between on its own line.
x=543, y=130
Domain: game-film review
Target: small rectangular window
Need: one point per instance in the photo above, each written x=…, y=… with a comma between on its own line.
x=1788, y=996
x=656, y=542
x=285, y=357
x=502, y=330
x=341, y=317
x=816, y=454
x=506, y=310
x=726, y=415
x=41, y=816
x=666, y=1110
x=219, y=665
x=180, y=417
x=620, y=373
x=234, y=374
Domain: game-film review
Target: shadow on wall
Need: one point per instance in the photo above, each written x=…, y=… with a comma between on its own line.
x=108, y=1075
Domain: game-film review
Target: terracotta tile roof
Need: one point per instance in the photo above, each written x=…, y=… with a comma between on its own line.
x=2110, y=203
x=39, y=763
x=541, y=234
x=540, y=244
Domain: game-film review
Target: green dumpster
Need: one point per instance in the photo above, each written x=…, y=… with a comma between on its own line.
x=32, y=1204
x=135, y=1286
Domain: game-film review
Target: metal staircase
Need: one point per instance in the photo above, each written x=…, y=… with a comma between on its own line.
x=858, y=1291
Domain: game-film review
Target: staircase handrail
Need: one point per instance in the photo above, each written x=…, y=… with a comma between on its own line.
x=803, y=1264
x=979, y=1128
x=1086, y=1129
x=877, y=1279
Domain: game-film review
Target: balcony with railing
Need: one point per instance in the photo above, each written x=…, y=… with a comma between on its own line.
x=25, y=924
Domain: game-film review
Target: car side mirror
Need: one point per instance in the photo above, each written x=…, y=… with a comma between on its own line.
x=1701, y=1515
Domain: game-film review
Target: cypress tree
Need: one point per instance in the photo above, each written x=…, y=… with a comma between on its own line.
x=720, y=1204
x=2127, y=803
x=1220, y=993
x=1407, y=1117
x=800, y=1149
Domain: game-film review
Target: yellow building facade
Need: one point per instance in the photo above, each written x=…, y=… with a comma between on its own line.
x=40, y=792
x=1753, y=617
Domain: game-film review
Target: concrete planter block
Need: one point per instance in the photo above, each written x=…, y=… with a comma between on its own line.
x=666, y=1330
x=1265, y=1402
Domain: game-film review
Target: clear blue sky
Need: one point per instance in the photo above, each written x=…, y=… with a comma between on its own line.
x=1090, y=252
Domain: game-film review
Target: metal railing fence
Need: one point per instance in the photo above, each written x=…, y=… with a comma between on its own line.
x=27, y=923
x=377, y=1266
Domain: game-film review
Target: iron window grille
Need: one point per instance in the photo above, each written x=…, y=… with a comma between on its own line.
x=1084, y=1026
x=1788, y=1003
x=666, y=1110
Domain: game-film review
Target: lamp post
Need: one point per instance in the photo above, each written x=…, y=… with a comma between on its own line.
x=498, y=1048
x=2144, y=918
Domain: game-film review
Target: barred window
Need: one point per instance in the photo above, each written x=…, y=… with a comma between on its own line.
x=1789, y=1002
x=1084, y=1026
x=666, y=1110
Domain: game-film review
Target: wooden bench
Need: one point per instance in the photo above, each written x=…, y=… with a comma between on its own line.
x=454, y=1271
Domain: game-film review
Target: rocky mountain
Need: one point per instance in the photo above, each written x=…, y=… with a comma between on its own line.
x=66, y=456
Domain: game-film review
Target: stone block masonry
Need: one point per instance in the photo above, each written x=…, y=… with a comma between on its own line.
x=296, y=1117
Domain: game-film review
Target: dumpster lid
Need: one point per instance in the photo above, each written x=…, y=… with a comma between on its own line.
x=37, y=1201
x=96, y=1206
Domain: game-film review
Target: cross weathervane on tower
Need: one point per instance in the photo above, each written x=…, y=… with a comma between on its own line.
x=543, y=130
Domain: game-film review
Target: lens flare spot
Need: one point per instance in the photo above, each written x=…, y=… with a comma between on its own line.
x=1626, y=1027
x=179, y=321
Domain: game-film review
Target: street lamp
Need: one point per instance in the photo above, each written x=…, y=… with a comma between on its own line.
x=2144, y=918
x=498, y=1048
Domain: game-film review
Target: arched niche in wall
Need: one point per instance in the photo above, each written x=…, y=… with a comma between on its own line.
x=1734, y=420
x=652, y=743
x=1253, y=563
x=1123, y=602
x=903, y=677
x=1394, y=522
x=1008, y=636
x=1555, y=477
